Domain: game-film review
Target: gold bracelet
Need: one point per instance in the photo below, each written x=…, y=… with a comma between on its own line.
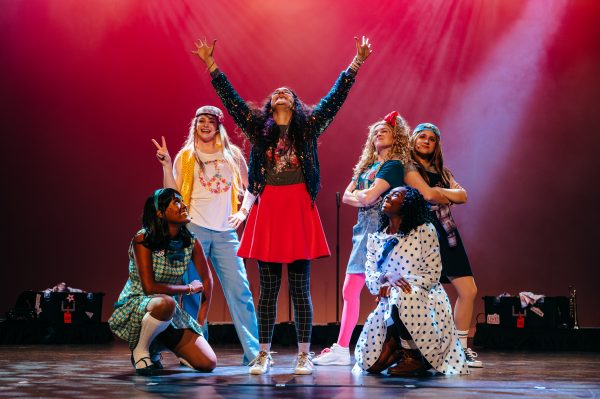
x=356, y=64
x=190, y=289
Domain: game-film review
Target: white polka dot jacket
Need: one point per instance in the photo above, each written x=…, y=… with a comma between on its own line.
x=426, y=311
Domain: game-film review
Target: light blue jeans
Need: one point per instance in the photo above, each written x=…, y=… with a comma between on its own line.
x=221, y=248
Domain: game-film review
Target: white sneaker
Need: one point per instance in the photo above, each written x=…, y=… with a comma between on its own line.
x=261, y=363
x=334, y=356
x=471, y=358
x=304, y=365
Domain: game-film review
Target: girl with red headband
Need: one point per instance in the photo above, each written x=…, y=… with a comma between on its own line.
x=379, y=169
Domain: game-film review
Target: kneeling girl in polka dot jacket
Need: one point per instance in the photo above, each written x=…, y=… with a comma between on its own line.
x=412, y=325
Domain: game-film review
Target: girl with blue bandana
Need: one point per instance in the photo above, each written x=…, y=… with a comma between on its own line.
x=437, y=184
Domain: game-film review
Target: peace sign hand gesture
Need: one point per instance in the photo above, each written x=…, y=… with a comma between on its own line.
x=162, y=153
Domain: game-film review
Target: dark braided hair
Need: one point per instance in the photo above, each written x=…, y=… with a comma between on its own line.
x=414, y=212
x=156, y=236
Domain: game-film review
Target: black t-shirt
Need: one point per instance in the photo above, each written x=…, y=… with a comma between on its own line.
x=283, y=166
x=392, y=172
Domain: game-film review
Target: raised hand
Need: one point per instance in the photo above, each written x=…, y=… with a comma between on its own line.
x=363, y=48
x=162, y=153
x=204, y=51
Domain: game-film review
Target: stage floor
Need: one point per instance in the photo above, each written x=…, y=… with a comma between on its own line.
x=104, y=371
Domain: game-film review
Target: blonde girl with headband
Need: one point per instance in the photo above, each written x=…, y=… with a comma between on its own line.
x=211, y=172
x=379, y=169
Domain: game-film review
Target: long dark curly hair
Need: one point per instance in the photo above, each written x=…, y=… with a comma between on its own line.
x=268, y=134
x=156, y=236
x=414, y=212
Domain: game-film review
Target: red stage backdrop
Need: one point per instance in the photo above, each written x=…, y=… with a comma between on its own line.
x=512, y=84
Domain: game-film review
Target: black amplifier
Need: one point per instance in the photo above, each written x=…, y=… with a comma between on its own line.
x=58, y=307
x=547, y=312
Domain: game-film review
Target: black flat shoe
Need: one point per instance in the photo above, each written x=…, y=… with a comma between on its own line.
x=158, y=365
x=150, y=368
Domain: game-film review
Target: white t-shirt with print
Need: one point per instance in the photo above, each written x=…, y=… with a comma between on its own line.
x=209, y=209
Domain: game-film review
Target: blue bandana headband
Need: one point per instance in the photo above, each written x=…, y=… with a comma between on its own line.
x=157, y=194
x=427, y=126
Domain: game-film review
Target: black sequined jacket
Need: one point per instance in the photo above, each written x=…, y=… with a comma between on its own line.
x=318, y=120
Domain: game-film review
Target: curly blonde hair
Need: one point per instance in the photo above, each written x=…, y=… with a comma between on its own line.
x=400, y=149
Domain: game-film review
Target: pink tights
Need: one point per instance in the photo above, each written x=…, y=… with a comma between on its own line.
x=353, y=285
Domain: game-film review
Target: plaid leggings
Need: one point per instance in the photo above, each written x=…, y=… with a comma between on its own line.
x=299, y=283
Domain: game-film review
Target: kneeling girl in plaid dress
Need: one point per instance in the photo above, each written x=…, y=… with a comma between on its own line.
x=146, y=312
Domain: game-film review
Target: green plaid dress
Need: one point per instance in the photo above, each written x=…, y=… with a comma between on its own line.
x=169, y=266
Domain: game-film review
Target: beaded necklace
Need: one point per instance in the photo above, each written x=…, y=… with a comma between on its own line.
x=217, y=184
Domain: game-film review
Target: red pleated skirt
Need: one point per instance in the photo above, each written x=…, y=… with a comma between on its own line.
x=284, y=226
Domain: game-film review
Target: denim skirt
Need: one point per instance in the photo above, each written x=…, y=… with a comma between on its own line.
x=368, y=220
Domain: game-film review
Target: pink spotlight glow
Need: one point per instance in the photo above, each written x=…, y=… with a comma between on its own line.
x=490, y=107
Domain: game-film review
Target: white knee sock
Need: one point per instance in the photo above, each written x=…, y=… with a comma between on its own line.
x=151, y=327
x=463, y=335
